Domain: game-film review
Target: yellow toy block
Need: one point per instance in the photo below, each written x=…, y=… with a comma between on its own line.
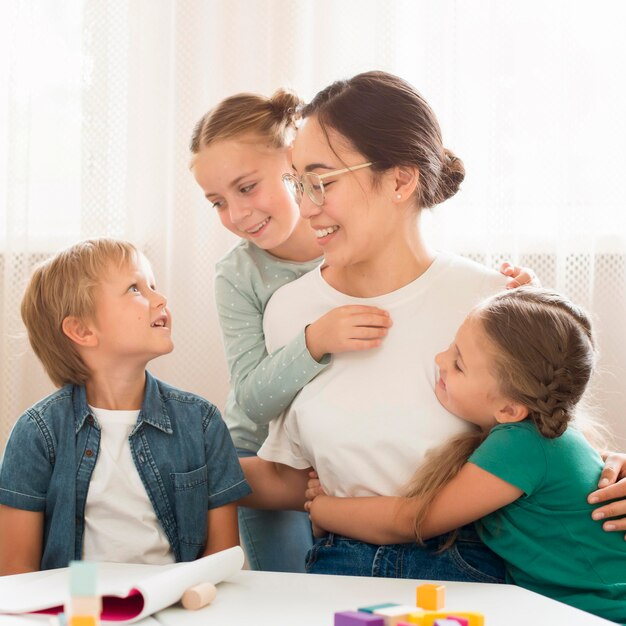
x=83, y=620
x=427, y=618
x=431, y=597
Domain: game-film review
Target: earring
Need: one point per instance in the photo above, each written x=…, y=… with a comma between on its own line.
x=398, y=196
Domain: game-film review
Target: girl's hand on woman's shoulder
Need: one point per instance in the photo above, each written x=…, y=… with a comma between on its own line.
x=519, y=276
x=612, y=486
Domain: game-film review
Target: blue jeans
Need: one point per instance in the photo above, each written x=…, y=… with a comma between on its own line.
x=468, y=560
x=274, y=541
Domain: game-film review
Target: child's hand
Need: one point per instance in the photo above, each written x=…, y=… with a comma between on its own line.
x=313, y=488
x=519, y=276
x=313, y=491
x=346, y=329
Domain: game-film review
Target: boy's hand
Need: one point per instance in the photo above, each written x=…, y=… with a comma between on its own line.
x=346, y=329
x=519, y=276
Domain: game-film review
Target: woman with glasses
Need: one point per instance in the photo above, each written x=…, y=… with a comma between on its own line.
x=240, y=150
x=367, y=160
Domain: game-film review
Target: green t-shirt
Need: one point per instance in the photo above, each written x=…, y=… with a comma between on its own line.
x=547, y=537
x=262, y=385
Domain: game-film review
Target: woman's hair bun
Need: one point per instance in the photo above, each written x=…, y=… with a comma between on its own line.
x=451, y=177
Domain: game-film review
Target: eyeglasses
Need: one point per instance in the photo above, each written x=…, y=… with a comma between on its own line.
x=313, y=184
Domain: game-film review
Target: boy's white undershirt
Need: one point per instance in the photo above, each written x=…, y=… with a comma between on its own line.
x=120, y=522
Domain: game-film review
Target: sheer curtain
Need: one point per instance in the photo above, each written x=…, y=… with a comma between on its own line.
x=99, y=100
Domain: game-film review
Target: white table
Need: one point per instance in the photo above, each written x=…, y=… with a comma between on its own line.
x=273, y=599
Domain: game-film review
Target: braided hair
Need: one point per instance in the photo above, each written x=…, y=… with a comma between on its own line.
x=544, y=355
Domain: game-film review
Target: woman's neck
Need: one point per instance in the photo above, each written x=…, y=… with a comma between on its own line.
x=395, y=265
x=300, y=247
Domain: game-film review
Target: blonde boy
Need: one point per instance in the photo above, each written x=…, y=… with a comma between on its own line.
x=115, y=465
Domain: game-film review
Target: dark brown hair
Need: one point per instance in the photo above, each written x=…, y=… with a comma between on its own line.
x=390, y=124
x=273, y=119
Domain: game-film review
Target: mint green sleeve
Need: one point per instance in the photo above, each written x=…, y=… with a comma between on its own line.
x=264, y=384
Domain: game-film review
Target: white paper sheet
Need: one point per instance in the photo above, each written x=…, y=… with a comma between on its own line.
x=158, y=586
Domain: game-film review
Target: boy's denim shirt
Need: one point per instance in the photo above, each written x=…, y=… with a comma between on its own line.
x=180, y=446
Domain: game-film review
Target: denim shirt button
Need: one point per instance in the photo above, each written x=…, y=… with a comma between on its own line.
x=142, y=458
x=90, y=419
x=89, y=452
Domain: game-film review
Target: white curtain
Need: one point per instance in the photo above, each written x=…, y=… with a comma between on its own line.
x=99, y=100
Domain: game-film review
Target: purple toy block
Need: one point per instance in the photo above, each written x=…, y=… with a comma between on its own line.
x=461, y=621
x=356, y=618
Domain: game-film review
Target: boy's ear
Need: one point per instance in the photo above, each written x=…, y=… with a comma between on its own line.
x=406, y=179
x=79, y=332
x=511, y=412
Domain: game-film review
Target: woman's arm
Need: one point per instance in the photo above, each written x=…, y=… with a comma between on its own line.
x=274, y=485
x=222, y=529
x=470, y=495
x=21, y=540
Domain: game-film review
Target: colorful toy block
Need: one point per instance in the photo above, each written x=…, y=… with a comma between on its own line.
x=84, y=605
x=358, y=618
x=428, y=617
x=429, y=612
x=83, y=576
x=430, y=597
x=373, y=608
x=83, y=620
x=394, y=614
x=199, y=596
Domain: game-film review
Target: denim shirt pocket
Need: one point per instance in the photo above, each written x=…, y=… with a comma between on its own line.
x=191, y=498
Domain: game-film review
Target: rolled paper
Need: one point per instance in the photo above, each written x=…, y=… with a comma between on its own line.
x=199, y=596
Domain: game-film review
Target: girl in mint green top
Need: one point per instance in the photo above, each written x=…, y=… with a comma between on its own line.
x=517, y=369
x=240, y=152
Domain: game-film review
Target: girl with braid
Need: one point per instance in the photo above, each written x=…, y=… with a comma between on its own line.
x=240, y=149
x=516, y=370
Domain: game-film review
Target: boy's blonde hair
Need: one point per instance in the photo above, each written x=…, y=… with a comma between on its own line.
x=63, y=286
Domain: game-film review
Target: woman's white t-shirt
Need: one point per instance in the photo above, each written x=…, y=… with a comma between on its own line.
x=366, y=421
